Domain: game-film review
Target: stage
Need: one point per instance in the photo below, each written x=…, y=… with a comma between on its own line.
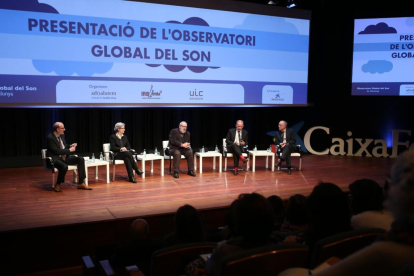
x=33, y=216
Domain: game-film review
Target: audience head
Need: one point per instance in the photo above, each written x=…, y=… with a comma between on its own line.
x=119, y=126
x=189, y=225
x=400, y=199
x=328, y=208
x=278, y=206
x=230, y=219
x=139, y=229
x=366, y=195
x=254, y=217
x=296, y=212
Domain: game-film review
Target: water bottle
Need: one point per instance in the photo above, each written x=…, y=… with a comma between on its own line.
x=101, y=157
x=202, y=150
x=145, y=153
x=269, y=149
x=217, y=150
x=255, y=149
x=156, y=151
x=93, y=158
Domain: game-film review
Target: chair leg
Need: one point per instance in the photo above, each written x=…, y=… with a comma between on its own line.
x=113, y=172
x=53, y=179
x=225, y=164
x=300, y=163
x=170, y=166
x=75, y=176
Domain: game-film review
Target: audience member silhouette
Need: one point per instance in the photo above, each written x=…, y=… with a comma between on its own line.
x=367, y=199
x=254, y=218
x=279, y=210
x=328, y=213
x=137, y=251
x=189, y=227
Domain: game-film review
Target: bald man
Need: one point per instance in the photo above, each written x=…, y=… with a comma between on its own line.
x=236, y=139
x=60, y=152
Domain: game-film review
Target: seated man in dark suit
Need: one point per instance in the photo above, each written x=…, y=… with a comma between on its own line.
x=236, y=139
x=285, y=137
x=179, y=144
x=59, y=150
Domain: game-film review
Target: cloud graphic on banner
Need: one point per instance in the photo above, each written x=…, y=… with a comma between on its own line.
x=68, y=68
x=178, y=68
x=377, y=66
x=267, y=24
x=409, y=21
x=61, y=68
x=27, y=5
x=380, y=28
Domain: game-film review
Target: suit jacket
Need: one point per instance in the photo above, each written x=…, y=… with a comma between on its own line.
x=53, y=147
x=175, y=139
x=116, y=144
x=231, y=136
x=290, y=137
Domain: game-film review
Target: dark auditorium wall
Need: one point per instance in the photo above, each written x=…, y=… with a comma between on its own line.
x=24, y=130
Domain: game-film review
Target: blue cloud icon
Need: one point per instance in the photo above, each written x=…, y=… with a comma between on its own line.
x=68, y=68
x=178, y=68
x=377, y=66
x=380, y=28
x=27, y=5
x=409, y=22
x=268, y=24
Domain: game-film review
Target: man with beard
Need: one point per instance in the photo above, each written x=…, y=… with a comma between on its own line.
x=179, y=144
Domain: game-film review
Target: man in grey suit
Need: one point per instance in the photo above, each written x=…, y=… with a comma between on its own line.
x=285, y=138
x=179, y=144
x=236, y=139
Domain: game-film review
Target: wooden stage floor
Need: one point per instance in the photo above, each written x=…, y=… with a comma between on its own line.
x=27, y=202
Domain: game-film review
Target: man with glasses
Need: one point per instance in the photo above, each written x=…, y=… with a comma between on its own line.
x=59, y=151
x=285, y=138
x=179, y=144
x=236, y=140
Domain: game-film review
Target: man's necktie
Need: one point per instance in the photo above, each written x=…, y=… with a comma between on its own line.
x=61, y=146
x=240, y=138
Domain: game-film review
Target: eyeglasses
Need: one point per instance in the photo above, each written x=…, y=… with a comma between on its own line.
x=121, y=128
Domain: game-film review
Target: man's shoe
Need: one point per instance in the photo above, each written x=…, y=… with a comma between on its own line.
x=279, y=163
x=138, y=172
x=245, y=160
x=289, y=171
x=191, y=173
x=56, y=188
x=236, y=172
x=176, y=175
x=132, y=179
x=84, y=187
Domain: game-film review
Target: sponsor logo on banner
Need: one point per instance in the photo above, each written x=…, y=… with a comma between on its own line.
x=151, y=94
x=196, y=95
x=277, y=94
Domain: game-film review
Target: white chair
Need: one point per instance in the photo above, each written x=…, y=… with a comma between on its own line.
x=110, y=157
x=298, y=153
x=228, y=154
x=167, y=155
x=48, y=162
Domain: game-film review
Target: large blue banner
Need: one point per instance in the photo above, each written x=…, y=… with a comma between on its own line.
x=129, y=53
